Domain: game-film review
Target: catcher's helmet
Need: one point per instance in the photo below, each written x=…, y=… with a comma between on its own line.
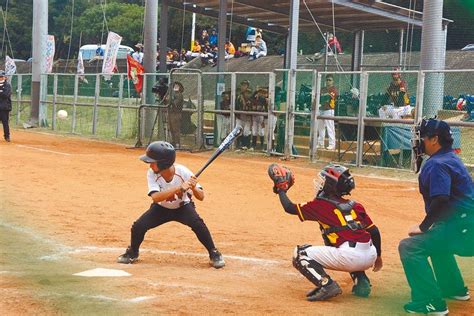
x=162, y=153
x=337, y=180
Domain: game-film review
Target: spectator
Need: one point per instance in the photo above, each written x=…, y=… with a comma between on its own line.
x=99, y=52
x=259, y=104
x=333, y=46
x=138, y=53
x=396, y=102
x=195, y=51
x=328, y=103
x=175, y=109
x=229, y=50
x=213, y=38
x=244, y=103
x=204, y=36
x=223, y=119
x=259, y=50
x=5, y=104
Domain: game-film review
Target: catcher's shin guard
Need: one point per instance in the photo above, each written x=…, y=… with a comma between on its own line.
x=308, y=267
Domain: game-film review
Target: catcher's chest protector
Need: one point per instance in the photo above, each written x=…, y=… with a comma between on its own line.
x=347, y=213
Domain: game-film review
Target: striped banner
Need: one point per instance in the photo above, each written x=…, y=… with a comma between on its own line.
x=110, y=55
x=48, y=55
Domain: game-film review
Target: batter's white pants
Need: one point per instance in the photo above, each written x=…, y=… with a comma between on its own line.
x=246, y=122
x=223, y=125
x=344, y=258
x=258, y=126
x=329, y=125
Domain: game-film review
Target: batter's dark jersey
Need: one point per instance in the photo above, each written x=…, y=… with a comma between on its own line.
x=328, y=215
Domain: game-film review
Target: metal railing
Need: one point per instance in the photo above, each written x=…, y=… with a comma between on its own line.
x=111, y=109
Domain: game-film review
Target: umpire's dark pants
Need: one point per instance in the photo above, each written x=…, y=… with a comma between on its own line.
x=158, y=215
x=440, y=243
x=4, y=117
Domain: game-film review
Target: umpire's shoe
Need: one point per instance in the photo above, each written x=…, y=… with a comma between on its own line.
x=325, y=292
x=433, y=307
x=129, y=256
x=216, y=259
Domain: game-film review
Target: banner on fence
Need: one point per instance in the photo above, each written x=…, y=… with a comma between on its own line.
x=48, y=54
x=80, y=68
x=135, y=73
x=110, y=55
x=10, y=66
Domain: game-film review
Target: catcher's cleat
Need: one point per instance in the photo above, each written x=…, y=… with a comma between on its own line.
x=433, y=307
x=361, y=286
x=216, y=259
x=128, y=257
x=312, y=292
x=325, y=292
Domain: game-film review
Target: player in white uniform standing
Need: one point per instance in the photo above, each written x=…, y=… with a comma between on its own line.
x=171, y=187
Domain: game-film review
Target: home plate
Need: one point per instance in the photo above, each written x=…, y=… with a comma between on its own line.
x=101, y=272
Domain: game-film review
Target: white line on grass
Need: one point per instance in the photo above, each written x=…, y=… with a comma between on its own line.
x=45, y=150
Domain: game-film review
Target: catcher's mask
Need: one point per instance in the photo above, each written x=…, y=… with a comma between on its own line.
x=336, y=179
x=428, y=129
x=162, y=153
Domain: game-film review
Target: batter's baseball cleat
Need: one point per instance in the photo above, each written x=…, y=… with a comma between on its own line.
x=216, y=259
x=433, y=307
x=128, y=257
x=325, y=292
x=460, y=296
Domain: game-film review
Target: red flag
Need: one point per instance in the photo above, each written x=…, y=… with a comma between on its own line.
x=135, y=72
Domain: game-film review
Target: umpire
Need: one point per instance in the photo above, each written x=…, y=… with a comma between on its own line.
x=446, y=230
x=5, y=104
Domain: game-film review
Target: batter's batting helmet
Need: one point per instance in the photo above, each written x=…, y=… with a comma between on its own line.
x=337, y=180
x=162, y=153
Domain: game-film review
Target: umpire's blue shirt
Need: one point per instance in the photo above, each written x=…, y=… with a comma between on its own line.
x=445, y=174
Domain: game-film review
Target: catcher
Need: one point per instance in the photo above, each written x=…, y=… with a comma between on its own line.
x=352, y=241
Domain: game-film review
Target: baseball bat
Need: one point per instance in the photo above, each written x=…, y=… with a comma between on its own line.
x=222, y=147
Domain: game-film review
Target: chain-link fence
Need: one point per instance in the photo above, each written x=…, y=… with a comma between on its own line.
x=361, y=118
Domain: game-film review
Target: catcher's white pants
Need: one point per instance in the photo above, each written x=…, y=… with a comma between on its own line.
x=344, y=258
x=390, y=111
x=223, y=125
x=246, y=122
x=329, y=125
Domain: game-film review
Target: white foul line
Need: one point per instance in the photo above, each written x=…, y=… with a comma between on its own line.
x=45, y=150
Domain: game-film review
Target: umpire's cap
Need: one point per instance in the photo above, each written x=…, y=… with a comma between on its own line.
x=433, y=127
x=162, y=153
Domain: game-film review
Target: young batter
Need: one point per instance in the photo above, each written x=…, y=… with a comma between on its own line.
x=171, y=187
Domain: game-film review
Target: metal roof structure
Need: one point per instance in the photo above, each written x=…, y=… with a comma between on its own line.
x=274, y=15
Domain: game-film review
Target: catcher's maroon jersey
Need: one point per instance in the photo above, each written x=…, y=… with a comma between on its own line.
x=328, y=215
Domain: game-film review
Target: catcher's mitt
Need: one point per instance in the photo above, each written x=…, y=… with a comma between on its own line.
x=281, y=176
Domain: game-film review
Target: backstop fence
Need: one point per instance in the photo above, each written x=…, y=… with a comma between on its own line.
x=358, y=118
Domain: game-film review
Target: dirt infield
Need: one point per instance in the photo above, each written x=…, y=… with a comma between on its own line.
x=67, y=205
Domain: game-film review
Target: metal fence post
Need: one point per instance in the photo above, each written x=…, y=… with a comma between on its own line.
x=200, y=117
x=290, y=116
x=364, y=80
x=271, y=118
x=119, y=108
x=96, y=104
x=74, y=104
x=420, y=93
x=315, y=96
x=55, y=97
x=233, y=82
x=19, y=91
